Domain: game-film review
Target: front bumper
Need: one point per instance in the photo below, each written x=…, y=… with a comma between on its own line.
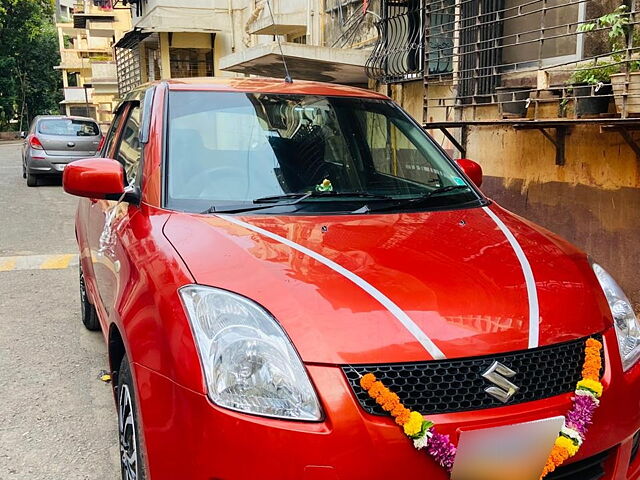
x=186, y=436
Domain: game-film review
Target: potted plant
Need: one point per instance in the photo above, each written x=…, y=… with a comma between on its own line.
x=591, y=87
x=618, y=23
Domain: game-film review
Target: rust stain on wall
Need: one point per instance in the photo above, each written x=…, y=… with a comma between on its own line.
x=593, y=201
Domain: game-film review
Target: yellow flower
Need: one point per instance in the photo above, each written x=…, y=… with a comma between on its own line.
x=567, y=443
x=590, y=385
x=414, y=425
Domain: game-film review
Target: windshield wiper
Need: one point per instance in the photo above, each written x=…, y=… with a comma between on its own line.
x=275, y=201
x=248, y=208
x=300, y=197
x=410, y=202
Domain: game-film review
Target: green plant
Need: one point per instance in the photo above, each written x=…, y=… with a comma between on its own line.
x=618, y=24
x=593, y=74
x=620, y=29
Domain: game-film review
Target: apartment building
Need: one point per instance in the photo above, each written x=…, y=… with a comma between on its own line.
x=64, y=9
x=545, y=94
x=87, y=64
x=323, y=40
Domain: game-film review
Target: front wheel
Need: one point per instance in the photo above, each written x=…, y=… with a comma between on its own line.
x=131, y=463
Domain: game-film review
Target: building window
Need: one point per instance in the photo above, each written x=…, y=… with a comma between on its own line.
x=441, y=22
x=191, y=62
x=83, y=111
x=128, y=67
x=399, y=53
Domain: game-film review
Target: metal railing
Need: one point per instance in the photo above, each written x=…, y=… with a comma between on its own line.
x=530, y=58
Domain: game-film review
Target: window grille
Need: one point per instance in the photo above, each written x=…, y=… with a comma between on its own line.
x=399, y=53
x=508, y=52
x=128, y=66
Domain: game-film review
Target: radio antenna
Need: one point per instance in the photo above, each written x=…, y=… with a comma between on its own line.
x=287, y=77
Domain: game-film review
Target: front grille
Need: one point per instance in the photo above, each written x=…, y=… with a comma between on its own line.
x=457, y=385
x=587, y=469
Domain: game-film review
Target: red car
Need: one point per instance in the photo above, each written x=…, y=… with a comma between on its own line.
x=252, y=248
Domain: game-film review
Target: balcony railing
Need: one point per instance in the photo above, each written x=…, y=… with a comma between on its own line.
x=71, y=59
x=399, y=52
x=104, y=72
x=513, y=58
x=278, y=17
x=77, y=95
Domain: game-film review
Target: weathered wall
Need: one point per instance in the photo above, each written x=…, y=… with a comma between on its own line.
x=593, y=201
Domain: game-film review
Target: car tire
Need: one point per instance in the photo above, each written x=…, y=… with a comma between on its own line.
x=131, y=463
x=88, y=311
x=32, y=180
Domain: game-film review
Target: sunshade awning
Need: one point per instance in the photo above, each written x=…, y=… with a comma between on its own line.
x=305, y=62
x=131, y=39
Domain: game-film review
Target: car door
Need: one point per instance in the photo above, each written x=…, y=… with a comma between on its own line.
x=101, y=220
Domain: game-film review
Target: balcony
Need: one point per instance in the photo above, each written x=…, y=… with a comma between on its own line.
x=175, y=16
x=104, y=73
x=77, y=95
x=71, y=60
x=305, y=62
x=289, y=18
x=101, y=27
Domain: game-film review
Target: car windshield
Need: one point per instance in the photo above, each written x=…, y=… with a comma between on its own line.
x=68, y=127
x=303, y=153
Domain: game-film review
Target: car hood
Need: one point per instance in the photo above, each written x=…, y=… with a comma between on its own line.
x=454, y=275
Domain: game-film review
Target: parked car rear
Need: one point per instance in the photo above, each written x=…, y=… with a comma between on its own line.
x=54, y=141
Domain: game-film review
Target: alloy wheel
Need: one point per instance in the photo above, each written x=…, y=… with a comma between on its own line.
x=83, y=291
x=128, y=440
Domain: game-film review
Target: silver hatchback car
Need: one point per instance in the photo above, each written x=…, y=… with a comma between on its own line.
x=53, y=141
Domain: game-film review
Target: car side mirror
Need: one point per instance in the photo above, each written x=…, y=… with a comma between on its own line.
x=99, y=178
x=471, y=169
x=23, y=135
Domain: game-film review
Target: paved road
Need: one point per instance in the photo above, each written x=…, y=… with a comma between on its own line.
x=57, y=418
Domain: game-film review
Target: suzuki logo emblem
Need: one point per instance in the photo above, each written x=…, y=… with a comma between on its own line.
x=498, y=375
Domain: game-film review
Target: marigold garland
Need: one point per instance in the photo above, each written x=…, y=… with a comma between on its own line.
x=570, y=438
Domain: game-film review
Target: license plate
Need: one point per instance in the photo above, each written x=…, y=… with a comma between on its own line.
x=506, y=453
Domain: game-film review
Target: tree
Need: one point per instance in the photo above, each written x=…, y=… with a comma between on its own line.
x=29, y=85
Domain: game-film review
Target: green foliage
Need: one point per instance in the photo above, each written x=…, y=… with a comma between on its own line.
x=618, y=24
x=29, y=85
x=593, y=74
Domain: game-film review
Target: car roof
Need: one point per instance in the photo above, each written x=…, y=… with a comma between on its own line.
x=269, y=85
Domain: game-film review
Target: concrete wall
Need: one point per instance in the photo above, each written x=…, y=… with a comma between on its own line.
x=593, y=201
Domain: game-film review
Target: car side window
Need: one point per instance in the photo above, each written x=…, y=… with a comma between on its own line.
x=130, y=148
x=113, y=131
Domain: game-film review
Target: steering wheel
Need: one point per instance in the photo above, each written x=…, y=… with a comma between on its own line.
x=217, y=182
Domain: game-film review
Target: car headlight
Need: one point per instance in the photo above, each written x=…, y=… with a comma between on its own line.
x=249, y=362
x=624, y=318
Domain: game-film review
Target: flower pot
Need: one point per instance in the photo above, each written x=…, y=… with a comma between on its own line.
x=632, y=91
x=513, y=100
x=591, y=100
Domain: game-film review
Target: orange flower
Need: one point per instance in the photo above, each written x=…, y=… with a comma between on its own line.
x=389, y=402
x=367, y=381
x=377, y=389
x=592, y=360
x=556, y=458
x=403, y=416
x=592, y=342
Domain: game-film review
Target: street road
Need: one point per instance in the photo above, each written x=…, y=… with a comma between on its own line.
x=58, y=420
